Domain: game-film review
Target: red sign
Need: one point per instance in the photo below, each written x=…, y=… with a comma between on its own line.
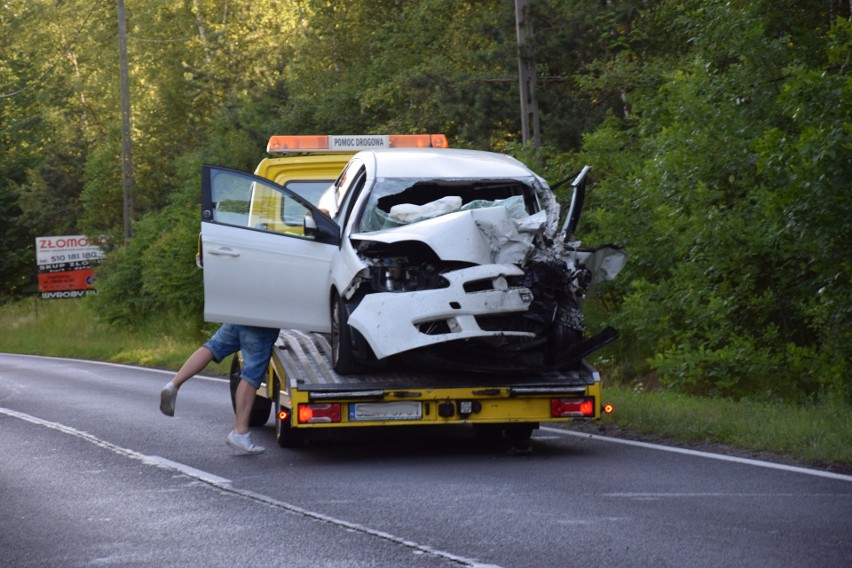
x=68, y=280
x=65, y=266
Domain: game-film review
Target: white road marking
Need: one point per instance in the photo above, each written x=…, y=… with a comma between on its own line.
x=227, y=486
x=201, y=475
x=117, y=365
x=719, y=495
x=696, y=453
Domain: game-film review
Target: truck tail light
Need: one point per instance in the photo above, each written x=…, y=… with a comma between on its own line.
x=314, y=413
x=607, y=408
x=579, y=407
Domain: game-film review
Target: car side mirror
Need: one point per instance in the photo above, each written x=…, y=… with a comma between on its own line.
x=321, y=228
x=310, y=225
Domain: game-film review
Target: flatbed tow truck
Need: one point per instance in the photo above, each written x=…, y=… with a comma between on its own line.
x=311, y=400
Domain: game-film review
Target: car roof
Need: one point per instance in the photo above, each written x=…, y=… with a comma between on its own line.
x=449, y=163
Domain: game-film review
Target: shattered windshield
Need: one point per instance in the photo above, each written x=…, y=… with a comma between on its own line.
x=395, y=202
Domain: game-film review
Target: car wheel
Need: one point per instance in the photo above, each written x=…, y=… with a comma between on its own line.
x=342, y=353
x=260, y=411
x=285, y=434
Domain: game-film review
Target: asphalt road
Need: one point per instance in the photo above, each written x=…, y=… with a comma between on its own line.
x=92, y=474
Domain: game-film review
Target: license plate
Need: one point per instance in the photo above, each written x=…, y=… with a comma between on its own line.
x=400, y=410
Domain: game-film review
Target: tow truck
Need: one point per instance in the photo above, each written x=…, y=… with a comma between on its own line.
x=314, y=394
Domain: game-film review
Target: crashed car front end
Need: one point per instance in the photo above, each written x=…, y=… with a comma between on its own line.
x=464, y=282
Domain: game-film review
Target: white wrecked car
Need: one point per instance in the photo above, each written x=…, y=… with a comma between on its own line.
x=450, y=258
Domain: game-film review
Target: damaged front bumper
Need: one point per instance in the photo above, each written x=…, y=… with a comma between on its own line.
x=394, y=322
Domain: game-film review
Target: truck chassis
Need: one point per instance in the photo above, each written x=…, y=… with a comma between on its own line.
x=310, y=399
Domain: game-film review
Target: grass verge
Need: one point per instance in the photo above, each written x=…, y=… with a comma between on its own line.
x=819, y=434
x=69, y=328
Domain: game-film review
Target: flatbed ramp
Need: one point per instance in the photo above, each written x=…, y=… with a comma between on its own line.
x=306, y=360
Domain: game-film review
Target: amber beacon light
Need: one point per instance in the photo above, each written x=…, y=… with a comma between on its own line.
x=353, y=143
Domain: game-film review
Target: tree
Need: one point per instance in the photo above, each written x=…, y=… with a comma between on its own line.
x=47, y=122
x=721, y=287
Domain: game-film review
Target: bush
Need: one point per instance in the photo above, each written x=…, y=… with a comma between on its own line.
x=733, y=208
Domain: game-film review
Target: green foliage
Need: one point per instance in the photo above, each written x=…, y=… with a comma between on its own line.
x=102, y=196
x=718, y=133
x=16, y=263
x=155, y=272
x=731, y=203
x=424, y=66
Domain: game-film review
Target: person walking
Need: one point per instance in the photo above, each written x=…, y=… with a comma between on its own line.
x=256, y=344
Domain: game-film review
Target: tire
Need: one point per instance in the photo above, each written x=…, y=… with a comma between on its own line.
x=260, y=411
x=285, y=434
x=342, y=353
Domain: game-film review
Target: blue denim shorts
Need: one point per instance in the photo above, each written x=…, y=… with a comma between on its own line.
x=255, y=343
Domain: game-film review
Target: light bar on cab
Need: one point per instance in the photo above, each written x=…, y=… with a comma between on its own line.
x=353, y=143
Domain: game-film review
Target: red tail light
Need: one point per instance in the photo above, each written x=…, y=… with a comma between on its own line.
x=577, y=407
x=313, y=413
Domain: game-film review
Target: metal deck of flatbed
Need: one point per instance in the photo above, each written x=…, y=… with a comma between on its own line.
x=306, y=360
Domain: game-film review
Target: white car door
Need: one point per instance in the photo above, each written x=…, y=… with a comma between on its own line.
x=262, y=266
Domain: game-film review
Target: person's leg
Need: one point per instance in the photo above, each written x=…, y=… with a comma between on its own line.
x=256, y=347
x=224, y=342
x=192, y=366
x=240, y=437
x=243, y=401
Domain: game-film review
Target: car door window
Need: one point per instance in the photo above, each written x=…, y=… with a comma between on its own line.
x=311, y=190
x=242, y=200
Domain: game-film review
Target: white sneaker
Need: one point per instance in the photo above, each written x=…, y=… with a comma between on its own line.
x=167, y=399
x=243, y=443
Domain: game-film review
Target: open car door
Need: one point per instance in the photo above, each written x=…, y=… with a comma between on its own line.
x=266, y=253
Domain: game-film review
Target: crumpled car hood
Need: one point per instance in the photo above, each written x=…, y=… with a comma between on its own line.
x=481, y=236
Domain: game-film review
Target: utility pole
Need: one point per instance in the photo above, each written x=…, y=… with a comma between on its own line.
x=530, y=123
x=126, y=153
